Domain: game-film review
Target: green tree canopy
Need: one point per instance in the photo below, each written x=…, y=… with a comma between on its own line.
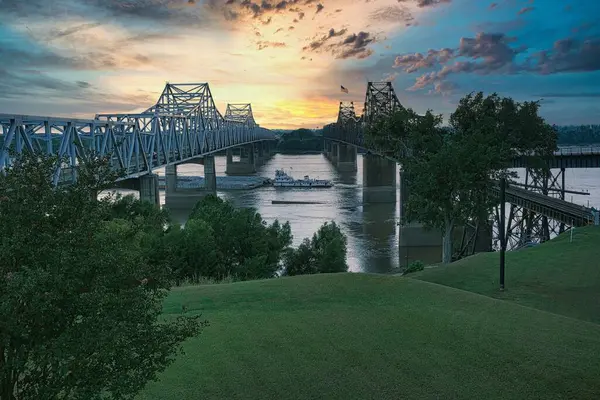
x=326, y=252
x=79, y=299
x=245, y=246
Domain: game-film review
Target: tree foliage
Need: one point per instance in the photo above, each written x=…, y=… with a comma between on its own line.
x=326, y=252
x=451, y=169
x=79, y=298
x=221, y=241
x=583, y=135
x=300, y=140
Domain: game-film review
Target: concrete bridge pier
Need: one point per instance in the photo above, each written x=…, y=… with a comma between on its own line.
x=379, y=180
x=148, y=187
x=346, y=160
x=379, y=225
x=259, y=157
x=268, y=149
x=246, y=165
x=415, y=242
x=327, y=148
x=334, y=154
x=210, y=174
x=171, y=178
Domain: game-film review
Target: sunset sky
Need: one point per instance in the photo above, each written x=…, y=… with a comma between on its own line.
x=289, y=58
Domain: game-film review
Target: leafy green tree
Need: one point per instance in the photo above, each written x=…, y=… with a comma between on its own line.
x=300, y=140
x=245, y=247
x=195, y=254
x=451, y=169
x=79, y=301
x=325, y=253
x=330, y=246
x=300, y=261
x=153, y=218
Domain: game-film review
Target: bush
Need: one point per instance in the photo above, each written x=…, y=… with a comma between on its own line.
x=414, y=266
x=222, y=241
x=325, y=253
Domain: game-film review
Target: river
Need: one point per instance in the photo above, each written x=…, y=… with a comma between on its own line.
x=372, y=230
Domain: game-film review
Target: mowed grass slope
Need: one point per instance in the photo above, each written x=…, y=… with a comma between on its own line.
x=559, y=276
x=358, y=336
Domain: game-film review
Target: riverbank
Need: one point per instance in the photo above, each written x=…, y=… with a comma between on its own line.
x=223, y=182
x=357, y=336
x=559, y=276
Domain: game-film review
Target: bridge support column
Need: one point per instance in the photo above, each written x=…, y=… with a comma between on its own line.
x=269, y=149
x=379, y=179
x=335, y=152
x=171, y=178
x=149, y=189
x=246, y=165
x=403, y=193
x=327, y=149
x=346, y=158
x=210, y=174
x=260, y=154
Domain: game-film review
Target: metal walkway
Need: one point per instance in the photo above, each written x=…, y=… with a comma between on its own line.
x=551, y=207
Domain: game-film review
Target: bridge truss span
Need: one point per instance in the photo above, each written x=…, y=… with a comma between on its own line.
x=182, y=125
x=240, y=113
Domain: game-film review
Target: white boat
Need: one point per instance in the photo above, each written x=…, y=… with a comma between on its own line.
x=284, y=180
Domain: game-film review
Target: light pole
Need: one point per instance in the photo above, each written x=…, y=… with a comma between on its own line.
x=502, y=230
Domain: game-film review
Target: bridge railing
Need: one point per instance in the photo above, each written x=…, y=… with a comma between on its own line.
x=578, y=150
x=137, y=143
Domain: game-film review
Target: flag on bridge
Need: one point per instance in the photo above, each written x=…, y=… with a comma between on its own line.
x=344, y=90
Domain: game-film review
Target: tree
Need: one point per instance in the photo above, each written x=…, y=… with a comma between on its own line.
x=300, y=261
x=192, y=252
x=79, y=301
x=450, y=170
x=245, y=246
x=325, y=253
x=329, y=246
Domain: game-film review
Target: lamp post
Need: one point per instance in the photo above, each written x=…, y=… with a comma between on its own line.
x=502, y=230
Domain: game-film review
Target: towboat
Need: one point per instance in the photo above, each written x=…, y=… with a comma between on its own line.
x=282, y=179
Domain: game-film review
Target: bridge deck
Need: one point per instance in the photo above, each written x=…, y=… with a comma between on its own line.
x=551, y=207
x=182, y=125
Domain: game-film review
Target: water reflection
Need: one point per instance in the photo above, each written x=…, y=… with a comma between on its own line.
x=375, y=242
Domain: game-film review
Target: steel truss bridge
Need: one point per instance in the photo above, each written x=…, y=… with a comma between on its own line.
x=538, y=209
x=183, y=124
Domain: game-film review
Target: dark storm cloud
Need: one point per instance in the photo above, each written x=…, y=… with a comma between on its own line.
x=318, y=43
x=525, y=10
x=426, y=3
x=355, y=45
x=496, y=53
x=260, y=8
x=568, y=55
x=126, y=11
x=260, y=45
x=352, y=46
x=493, y=50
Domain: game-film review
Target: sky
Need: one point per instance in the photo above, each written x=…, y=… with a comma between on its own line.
x=290, y=57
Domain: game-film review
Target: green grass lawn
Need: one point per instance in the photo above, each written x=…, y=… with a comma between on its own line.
x=559, y=276
x=358, y=336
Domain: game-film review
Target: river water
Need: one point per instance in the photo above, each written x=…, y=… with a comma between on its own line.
x=372, y=230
